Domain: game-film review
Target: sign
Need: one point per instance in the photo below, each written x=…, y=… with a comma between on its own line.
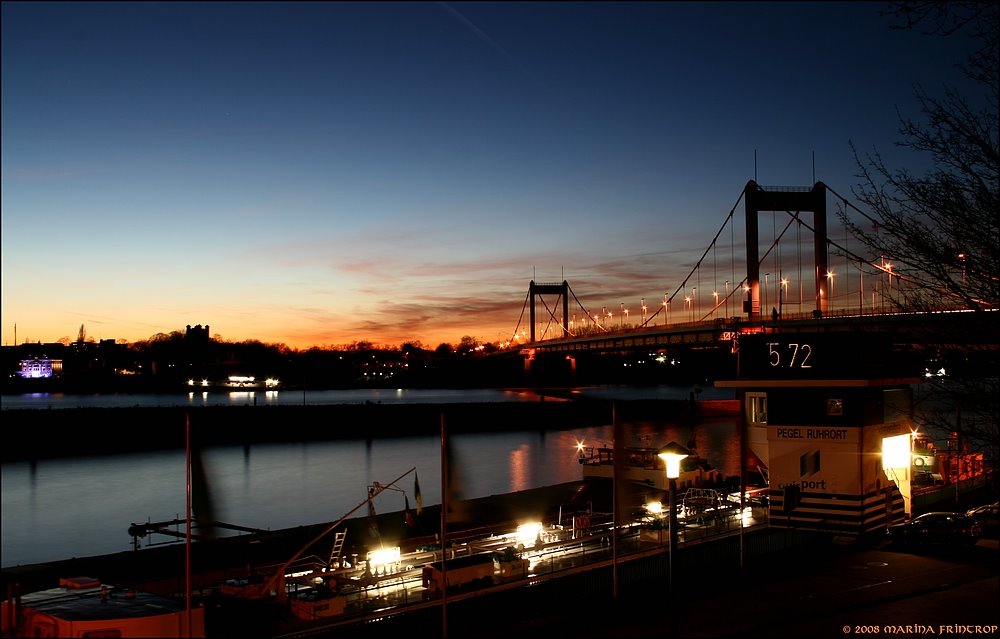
x=813, y=356
x=815, y=459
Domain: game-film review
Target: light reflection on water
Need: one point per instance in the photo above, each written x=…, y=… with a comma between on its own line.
x=345, y=396
x=56, y=509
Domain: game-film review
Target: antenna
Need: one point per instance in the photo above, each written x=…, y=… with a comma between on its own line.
x=755, y=165
x=814, y=166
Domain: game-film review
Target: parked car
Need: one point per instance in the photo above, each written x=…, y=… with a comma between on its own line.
x=937, y=528
x=988, y=516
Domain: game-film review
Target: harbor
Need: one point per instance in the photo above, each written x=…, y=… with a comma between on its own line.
x=574, y=532
x=615, y=520
x=572, y=565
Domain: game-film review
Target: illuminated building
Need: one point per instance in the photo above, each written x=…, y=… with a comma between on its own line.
x=40, y=368
x=830, y=420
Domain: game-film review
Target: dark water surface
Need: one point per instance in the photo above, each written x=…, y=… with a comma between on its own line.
x=75, y=507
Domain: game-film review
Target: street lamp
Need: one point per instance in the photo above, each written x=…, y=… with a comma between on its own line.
x=672, y=454
x=715, y=294
x=782, y=295
x=829, y=298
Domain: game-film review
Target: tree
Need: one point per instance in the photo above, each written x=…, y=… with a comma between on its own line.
x=444, y=349
x=942, y=229
x=467, y=344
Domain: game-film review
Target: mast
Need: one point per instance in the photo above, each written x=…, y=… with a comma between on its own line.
x=187, y=535
x=444, y=526
x=376, y=491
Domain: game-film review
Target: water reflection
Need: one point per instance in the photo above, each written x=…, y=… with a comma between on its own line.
x=54, y=509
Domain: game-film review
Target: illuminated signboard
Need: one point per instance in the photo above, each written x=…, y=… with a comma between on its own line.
x=814, y=356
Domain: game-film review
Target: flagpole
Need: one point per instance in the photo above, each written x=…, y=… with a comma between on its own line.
x=187, y=542
x=616, y=484
x=444, y=525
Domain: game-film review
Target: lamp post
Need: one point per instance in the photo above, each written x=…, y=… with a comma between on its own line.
x=829, y=298
x=782, y=296
x=672, y=454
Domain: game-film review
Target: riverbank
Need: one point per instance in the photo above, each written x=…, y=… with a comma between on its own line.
x=55, y=433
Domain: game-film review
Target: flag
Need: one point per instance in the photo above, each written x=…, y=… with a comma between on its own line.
x=416, y=493
x=372, y=520
x=410, y=521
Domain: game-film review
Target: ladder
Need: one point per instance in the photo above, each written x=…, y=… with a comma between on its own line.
x=338, y=548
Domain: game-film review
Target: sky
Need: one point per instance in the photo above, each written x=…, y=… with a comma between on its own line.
x=320, y=174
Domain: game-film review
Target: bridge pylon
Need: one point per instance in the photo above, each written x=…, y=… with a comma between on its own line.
x=789, y=199
x=558, y=289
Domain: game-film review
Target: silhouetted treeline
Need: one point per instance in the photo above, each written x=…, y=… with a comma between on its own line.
x=167, y=363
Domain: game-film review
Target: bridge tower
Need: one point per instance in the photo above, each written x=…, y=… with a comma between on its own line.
x=786, y=199
x=558, y=289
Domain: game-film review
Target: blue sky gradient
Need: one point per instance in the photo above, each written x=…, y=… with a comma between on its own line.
x=324, y=173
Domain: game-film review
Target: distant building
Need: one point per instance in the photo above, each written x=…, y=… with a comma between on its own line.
x=196, y=334
x=40, y=368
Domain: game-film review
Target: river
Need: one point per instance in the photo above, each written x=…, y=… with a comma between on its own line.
x=75, y=507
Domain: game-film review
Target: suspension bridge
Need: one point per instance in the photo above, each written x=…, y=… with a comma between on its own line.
x=796, y=274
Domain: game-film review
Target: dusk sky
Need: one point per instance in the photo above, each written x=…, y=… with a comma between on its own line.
x=316, y=174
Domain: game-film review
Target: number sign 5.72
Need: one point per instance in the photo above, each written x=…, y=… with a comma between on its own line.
x=790, y=355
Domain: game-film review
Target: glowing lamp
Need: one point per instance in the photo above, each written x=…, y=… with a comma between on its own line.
x=529, y=533
x=380, y=559
x=896, y=451
x=672, y=454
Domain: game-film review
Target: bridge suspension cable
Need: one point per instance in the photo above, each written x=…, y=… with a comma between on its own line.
x=527, y=298
x=585, y=310
x=772, y=256
x=697, y=266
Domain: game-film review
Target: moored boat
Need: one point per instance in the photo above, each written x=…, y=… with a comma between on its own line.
x=642, y=464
